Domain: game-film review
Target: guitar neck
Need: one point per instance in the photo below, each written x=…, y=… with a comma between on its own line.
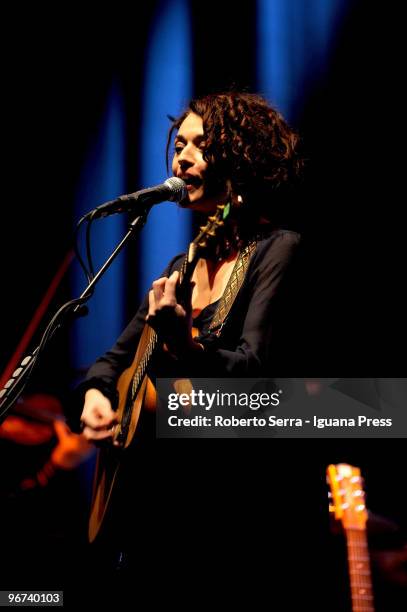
x=359, y=571
x=206, y=234
x=151, y=338
x=348, y=505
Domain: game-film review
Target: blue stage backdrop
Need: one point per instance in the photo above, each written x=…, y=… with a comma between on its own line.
x=103, y=178
x=295, y=41
x=166, y=91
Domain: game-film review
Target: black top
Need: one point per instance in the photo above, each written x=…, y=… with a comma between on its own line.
x=253, y=336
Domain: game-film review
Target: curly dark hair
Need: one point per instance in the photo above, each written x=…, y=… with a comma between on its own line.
x=249, y=145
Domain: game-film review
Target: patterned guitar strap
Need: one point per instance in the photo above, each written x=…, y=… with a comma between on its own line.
x=232, y=288
x=184, y=385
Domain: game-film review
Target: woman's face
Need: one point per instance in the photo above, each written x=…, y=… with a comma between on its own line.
x=188, y=164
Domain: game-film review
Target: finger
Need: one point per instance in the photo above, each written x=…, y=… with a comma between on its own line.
x=105, y=427
x=96, y=436
x=180, y=311
x=100, y=422
x=158, y=288
x=151, y=305
x=169, y=297
x=171, y=284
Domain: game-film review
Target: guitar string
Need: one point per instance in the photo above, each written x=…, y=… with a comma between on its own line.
x=361, y=588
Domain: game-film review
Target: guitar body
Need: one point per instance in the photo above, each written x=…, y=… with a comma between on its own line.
x=145, y=397
x=110, y=457
x=136, y=392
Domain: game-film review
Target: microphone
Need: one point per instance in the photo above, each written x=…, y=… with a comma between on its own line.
x=173, y=189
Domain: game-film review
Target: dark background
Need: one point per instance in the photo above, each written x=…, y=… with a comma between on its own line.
x=57, y=70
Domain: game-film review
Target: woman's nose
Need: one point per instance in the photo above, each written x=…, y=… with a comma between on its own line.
x=186, y=157
x=184, y=162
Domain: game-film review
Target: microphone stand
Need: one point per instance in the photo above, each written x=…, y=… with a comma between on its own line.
x=69, y=311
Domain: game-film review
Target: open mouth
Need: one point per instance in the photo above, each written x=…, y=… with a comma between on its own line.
x=192, y=182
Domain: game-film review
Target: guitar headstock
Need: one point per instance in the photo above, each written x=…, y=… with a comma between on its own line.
x=214, y=223
x=207, y=234
x=347, y=495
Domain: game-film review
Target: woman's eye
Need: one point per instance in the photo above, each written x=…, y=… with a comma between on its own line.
x=178, y=150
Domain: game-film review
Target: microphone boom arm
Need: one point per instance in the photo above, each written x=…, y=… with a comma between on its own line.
x=74, y=308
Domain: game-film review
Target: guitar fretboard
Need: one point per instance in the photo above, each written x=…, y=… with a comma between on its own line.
x=359, y=570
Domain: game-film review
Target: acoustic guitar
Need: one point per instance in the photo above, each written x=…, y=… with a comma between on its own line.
x=135, y=388
x=348, y=505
